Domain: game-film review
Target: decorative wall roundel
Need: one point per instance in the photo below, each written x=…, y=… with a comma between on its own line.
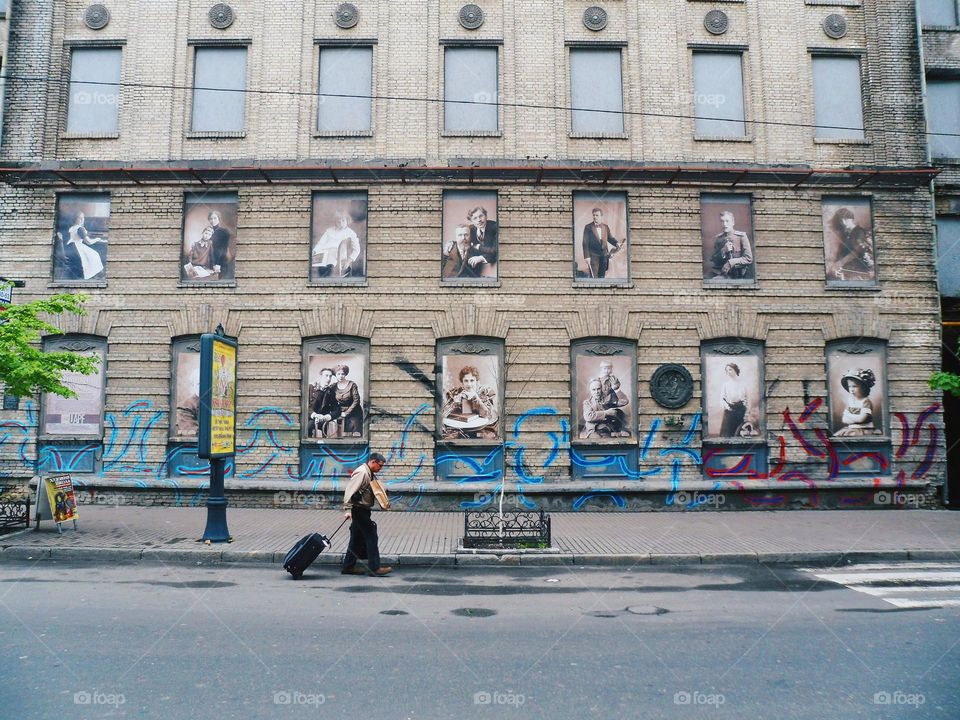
x=716, y=22
x=221, y=16
x=595, y=18
x=346, y=15
x=471, y=16
x=835, y=26
x=671, y=386
x=96, y=17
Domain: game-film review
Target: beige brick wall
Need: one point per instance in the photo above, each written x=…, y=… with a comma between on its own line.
x=666, y=310
x=534, y=69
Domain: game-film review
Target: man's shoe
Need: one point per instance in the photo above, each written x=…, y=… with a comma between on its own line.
x=353, y=571
x=381, y=572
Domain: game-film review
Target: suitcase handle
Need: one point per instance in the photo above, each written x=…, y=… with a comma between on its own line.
x=338, y=529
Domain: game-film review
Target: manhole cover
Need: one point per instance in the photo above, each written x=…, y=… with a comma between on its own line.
x=647, y=610
x=474, y=612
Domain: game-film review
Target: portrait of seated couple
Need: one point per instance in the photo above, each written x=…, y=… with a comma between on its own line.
x=335, y=405
x=209, y=255
x=471, y=252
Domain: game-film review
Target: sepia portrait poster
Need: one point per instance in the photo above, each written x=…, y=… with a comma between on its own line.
x=726, y=233
x=733, y=396
x=848, y=242
x=600, y=237
x=337, y=395
x=80, y=237
x=338, y=236
x=186, y=393
x=81, y=416
x=209, y=246
x=857, y=389
x=604, y=396
x=471, y=397
x=470, y=245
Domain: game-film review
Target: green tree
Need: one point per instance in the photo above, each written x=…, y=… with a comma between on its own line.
x=24, y=368
x=948, y=382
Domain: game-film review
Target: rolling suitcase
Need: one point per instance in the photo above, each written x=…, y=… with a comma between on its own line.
x=307, y=549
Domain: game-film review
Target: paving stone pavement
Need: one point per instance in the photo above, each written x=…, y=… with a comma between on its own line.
x=264, y=535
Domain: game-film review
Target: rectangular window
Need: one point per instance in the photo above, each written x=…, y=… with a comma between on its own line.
x=938, y=12
x=718, y=94
x=344, y=89
x=596, y=92
x=839, y=103
x=219, y=84
x=470, y=89
x=94, y=91
x=948, y=255
x=943, y=118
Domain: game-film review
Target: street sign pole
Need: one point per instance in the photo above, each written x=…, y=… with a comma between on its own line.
x=218, y=424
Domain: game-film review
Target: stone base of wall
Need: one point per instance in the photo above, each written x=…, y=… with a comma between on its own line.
x=927, y=497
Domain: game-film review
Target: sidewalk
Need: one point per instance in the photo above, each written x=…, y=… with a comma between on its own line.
x=111, y=533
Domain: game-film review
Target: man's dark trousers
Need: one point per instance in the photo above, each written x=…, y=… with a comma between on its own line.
x=363, y=540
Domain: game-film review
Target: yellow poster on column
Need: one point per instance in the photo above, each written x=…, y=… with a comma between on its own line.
x=223, y=411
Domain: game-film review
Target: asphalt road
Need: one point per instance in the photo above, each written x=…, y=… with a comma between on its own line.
x=152, y=641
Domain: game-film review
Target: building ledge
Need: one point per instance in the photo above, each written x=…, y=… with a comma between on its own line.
x=212, y=173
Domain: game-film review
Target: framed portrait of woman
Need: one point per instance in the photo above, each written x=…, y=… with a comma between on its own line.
x=848, y=244
x=208, y=248
x=80, y=238
x=470, y=388
x=335, y=399
x=338, y=238
x=733, y=401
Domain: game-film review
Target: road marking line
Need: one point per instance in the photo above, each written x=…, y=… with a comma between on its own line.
x=881, y=592
x=904, y=576
x=905, y=603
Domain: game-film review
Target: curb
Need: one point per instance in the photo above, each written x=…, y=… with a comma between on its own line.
x=214, y=555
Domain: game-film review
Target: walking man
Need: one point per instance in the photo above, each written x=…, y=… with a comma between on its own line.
x=358, y=498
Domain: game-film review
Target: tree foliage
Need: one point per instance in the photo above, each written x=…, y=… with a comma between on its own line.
x=24, y=368
x=946, y=381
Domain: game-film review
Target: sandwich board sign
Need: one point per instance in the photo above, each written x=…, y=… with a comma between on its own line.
x=56, y=500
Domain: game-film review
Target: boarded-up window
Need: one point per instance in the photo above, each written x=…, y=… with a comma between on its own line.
x=596, y=91
x=344, y=89
x=219, y=85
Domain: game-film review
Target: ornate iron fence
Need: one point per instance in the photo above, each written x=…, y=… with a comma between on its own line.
x=14, y=514
x=512, y=529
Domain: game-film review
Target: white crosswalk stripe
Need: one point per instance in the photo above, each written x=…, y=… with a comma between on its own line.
x=903, y=585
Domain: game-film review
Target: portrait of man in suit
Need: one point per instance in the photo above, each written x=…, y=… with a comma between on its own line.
x=600, y=237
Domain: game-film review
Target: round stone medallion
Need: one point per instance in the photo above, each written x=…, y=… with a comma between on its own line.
x=346, y=15
x=835, y=26
x=221, y=16
x=595, y=18
x=96, y=17
x=471, y=16
x=671, y=386
x=716, y=22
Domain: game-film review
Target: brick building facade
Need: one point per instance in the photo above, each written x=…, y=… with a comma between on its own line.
x=939, y=22
x=190, y=111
